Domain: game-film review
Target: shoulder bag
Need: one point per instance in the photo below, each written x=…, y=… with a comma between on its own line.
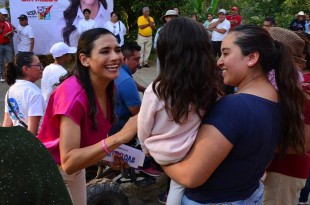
x=118, y=35
x=16, y=115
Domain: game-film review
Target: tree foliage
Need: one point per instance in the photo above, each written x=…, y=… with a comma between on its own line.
x=130, y=11
x=252, y=12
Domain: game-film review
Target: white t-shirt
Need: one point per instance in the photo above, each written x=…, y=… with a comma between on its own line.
x=216, y=36
x=85, y=25
x=116, y=28
x=51, y=75
x=26, y=99
x=25, y=33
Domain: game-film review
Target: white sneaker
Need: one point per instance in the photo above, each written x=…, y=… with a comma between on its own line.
x=2, y=80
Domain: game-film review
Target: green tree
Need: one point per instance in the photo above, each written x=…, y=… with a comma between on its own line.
x=130, y=11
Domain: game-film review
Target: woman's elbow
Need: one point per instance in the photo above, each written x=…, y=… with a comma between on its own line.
x=67, y=169
x=191, y=182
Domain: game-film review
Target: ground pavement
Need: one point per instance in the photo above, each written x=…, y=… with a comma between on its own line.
x=137, y=196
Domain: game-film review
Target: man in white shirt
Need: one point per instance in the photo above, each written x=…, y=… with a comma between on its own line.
x=25, y=38
x=220, y=28
x=51, y=74
x=100, y=12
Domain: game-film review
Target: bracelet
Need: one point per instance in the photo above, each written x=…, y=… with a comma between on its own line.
x=104, y=147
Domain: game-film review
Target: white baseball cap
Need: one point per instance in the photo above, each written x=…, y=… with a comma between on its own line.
x=60, y=49
x=222, y=11
x=4, y=11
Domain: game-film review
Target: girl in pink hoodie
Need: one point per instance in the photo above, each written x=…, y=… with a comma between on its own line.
x=185, y=89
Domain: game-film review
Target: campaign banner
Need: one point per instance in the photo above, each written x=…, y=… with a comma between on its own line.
x=48, y=22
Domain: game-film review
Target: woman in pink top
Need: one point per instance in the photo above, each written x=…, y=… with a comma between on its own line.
x=80, y=112
x=186, y=88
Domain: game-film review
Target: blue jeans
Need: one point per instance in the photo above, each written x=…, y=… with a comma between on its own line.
x=255, y=199
x=6, y=52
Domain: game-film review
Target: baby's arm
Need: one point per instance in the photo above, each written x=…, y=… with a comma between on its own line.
x=146, y=117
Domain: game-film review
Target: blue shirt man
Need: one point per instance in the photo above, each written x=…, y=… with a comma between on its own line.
x=127, y=96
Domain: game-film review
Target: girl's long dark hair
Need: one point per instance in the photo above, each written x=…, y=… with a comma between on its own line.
x=85, y=46
x=188, y=78
x=70, y=14
x=276, y=55
x=14, y=70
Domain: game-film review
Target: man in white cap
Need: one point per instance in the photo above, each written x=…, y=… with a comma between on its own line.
x=62, y=55
x=6, y=33
x=220, y=28
x=170, y=14
x=298, y=24
x=5, y=13
x=25, y=38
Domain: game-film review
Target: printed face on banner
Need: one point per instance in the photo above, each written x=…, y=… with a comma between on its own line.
x=50, y=25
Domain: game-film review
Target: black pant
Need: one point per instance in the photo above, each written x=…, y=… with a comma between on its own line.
x=216, y=46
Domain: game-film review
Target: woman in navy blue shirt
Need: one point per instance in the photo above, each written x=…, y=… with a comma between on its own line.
x=239, y=136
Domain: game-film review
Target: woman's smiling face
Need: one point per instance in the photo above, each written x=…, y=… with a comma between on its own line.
x=232, y=62
x=105, y=59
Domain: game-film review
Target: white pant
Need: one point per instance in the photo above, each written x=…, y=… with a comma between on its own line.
x=281, y=189
x=76, y=185
x=146, y=47
x=176, y=192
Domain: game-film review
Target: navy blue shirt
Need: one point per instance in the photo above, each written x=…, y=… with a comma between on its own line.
x=298, y=25
x=252, y=125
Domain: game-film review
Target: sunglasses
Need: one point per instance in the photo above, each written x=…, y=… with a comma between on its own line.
x=38, y=65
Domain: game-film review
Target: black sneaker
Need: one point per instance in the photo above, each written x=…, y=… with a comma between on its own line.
x=146, y=65
x=162, y=198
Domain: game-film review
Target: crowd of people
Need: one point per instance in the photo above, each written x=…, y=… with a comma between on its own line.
x=227, y=117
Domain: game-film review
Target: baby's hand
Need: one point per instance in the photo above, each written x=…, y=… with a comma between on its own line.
x=118, y=163
x=147, y=154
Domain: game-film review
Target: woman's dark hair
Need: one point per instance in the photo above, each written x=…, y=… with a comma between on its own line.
x=113, y=12
x=188, y=78
x=70, y=14
x=271, y=20
x=276, y=55
x=14, y=70
x=196, y=16
x=85, y=46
